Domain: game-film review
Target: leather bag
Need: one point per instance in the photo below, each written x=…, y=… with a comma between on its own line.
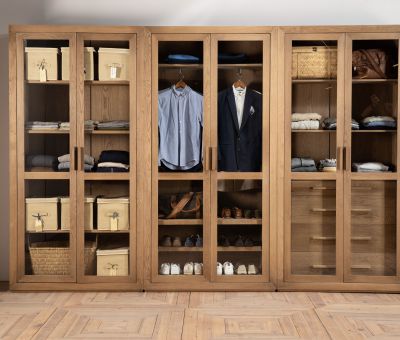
x=370, y=64
x=184, y=205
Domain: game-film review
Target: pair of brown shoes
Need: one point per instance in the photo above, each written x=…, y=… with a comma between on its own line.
x=168, y=241
x=232, y=213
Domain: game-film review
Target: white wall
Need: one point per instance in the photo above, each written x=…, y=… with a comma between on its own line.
x=167, y=12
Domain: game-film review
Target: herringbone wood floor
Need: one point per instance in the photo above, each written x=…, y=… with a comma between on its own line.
x=199, y=316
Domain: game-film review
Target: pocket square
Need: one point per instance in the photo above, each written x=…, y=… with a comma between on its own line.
x=252, y=111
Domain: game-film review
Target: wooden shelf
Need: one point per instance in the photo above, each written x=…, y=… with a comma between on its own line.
x=314, y=131
x=378, y=176
x=373, y=131
x=180, y=249
x=195, y=66
x=373, y=81
x=47, y=132
x=313, y=176
x=49, y=82
x=247, y=65
x=311, y=81
x=180, y=176
x=107, y=176
x=239, y=249
x=44, y=175
x=95, y=231
x=106, y=82
x=182, y=222
x=58, y=231
x=107, y=132
x=241, y=221
x=239, y=175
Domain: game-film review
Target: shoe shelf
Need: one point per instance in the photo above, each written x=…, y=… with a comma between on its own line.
x=58, y=231
x=180, y=249
x=239, y=221
x=107, y=231
x=46, y=175
x=180, y=222
x=102, y=176
x=106, y=82
x=49, y=82
x=239, y=249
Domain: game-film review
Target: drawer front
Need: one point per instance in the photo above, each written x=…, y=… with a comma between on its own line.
x=313, y=263
x=373, y=209
x=373, y=264
x=375, y=188
x=314, y=209
x=313, y=188
x=373, y=238
x=313, y=238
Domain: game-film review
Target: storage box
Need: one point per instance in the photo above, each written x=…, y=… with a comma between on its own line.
x=88, y=61
x=41, y=214
x=314, y=62
x=113, y=213
x=113, y=63
x=113, y=262
x=65, y=217
x=41, y=57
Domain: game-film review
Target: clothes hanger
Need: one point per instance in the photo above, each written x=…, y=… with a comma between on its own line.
x=239, y=83
x=180, y=84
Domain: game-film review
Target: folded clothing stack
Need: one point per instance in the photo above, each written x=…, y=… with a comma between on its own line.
x=182, y=59
x=37, y=125
x=379, y=123
x=327, y=165
x=41, y=162
x=329, y=123
x=303, y=165
x=370, y=167
x=355, y=125
x=90, y=125
x=65, y=162
x=113, y=161
x=305, y=121
x=64, y=126
x=113, y=125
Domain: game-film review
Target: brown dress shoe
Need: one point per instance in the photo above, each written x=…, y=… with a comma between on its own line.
x=237, y=212
x=226, y=213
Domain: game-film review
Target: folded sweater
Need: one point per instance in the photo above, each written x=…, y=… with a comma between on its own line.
x=66, y=158
x=298, y=162
x=296, y=117
x=305, y=125
x=370, y=167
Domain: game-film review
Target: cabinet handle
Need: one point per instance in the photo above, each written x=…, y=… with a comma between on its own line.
x=214, y=158
x=323, y=266
x=361, y=238
x=361, y=266
x=75, y=158
x=322, y=210
x=323, y=238
x=361, y=210
x=338, y=155
x=82, y=160
x=344, y=159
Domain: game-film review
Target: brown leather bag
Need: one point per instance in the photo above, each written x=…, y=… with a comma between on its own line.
x=370, y=64
x=187, y=205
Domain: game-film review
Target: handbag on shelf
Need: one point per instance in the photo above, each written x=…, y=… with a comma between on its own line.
x=184, y=205
x=370, y=64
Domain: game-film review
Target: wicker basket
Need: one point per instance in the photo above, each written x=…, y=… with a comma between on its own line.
x=312, y=62
x=54, y=258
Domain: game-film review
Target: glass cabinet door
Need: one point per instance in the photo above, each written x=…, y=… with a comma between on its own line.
x=371, y=173
x=314, y=107
x=106, y=167
x=46, y=192
x=240, y=158
x=180, y=175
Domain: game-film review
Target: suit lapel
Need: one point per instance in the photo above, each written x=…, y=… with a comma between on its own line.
x=248, y=100
x=232, y=107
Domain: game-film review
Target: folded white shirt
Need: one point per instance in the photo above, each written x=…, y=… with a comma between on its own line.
x=296, y=117
x=371, y=166
x=378, y=119
x=305, y=125
x=113, y=165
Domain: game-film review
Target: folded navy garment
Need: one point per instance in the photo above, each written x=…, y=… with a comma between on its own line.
x=231, y=58
x=329, y=123
x=305, y=169
x=116, y=156
x=379, y=125
x=182, y=59
x=298, y=162
x=111, y=169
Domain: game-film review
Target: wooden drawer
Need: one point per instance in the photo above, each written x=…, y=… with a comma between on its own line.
x=373, y=209
x=313, y=263
x=314, y=209
x=313, y=188
x=313, y=237
x=373, y=264
x=375, y=188
x=373, y=238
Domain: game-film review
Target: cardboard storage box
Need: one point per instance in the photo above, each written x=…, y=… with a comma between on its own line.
x=41, y=214
x=65, y=217
x=88, y=63
x=113, y=63
x=37, y=58
x=113, y=213
x=113, y=262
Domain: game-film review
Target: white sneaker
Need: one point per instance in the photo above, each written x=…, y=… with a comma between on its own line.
x=241, y=269
x=188, y=268
x=252, y=269
x=228, y=268
x=198, y=268
x=175, y=269
x=219, y=268
x=165, y=269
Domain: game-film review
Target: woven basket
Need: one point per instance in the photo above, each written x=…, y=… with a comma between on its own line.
x=312, y=62
x=54, y=258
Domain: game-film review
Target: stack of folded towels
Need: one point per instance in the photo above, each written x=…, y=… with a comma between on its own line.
x=370, y=167
x=41, y=162
x=37, y=125
x=379, y=123
x=113, y=125
x=327, y=165
x=303, y=165
x=305, y=121
x=65, y=162
x=113, y=161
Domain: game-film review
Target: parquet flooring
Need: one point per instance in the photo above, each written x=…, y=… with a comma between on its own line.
x=230, y=316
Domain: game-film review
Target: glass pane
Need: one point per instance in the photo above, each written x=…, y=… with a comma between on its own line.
x=240, y=116
x=180, y=227
x=314, y=101
x=373, y=228
x=48, y=224
x=239, y=227
x=313, y=228
x=374, y=106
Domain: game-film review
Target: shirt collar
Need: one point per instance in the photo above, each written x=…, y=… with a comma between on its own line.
x=238, y=93
x=181, y=92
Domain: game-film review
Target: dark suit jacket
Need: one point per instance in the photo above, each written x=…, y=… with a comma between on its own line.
x=239, y=149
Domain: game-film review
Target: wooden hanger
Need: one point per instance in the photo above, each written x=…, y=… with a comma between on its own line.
x=239, y=83
x=180, y=84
